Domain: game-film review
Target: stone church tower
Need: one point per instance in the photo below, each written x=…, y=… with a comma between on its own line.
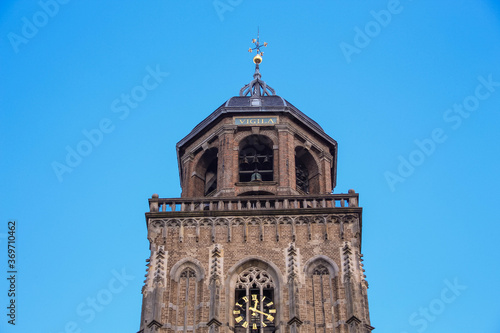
x=257, y=242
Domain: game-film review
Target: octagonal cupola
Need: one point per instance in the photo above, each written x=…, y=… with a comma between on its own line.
x=257, y=143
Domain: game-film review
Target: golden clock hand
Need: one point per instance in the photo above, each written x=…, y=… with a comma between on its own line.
x=255, y=310
x=255, y=306
x=268, y=316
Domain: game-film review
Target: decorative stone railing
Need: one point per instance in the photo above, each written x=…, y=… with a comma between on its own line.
x=246, y=203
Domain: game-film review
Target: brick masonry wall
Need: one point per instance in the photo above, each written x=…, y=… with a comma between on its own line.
x=254, y=238
x=314, y=259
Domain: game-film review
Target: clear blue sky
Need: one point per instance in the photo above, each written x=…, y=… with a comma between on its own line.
x=409, y=89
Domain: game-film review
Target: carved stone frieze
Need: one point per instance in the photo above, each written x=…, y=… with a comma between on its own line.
x=155, y=225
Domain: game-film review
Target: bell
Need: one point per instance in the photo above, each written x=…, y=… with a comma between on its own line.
x=257, y=59
x=245, y=160
x=256, y=176
x=266, y=159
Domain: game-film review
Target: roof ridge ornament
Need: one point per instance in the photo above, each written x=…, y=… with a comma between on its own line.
x=257, y=87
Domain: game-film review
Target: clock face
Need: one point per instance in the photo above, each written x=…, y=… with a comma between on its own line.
x=254, y=311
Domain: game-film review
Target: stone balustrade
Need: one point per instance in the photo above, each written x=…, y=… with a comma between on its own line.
x=246, y=203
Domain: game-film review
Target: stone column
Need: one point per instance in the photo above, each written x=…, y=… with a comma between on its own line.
x=293, y=290
x=286, y=160
x=326, y=173
x=214, y=285
x=227, y=169
x=187, y=170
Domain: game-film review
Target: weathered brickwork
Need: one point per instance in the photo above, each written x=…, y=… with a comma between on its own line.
x=323, y=261
x=257, y=242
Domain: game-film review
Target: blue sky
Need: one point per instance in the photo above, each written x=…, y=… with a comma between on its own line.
x=409, y=89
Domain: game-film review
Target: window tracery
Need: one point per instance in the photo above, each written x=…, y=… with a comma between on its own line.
x=254, y=277
x=188, y=273
x=321, y=270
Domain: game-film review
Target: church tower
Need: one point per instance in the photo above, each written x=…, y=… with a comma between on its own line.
x=257, y=242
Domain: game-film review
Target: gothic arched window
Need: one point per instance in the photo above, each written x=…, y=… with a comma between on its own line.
x=185, y=294
x=256, y=159
x=254, y=310
x=188, y=297
x=322, y=293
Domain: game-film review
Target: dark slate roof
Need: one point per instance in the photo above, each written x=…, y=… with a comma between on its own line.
x=245, y=101
x=268, y=104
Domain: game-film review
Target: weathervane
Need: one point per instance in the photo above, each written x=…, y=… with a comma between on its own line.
x=258, y=58
x=257, y=87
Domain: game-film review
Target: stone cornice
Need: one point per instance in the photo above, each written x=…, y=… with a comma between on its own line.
x=256, y=213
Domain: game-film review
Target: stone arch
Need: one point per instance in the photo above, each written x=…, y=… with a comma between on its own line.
x=205, y=173
x=322, y=260
x=187, y=264
x=241, y=135
x=307, y=175
x=256, y=261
